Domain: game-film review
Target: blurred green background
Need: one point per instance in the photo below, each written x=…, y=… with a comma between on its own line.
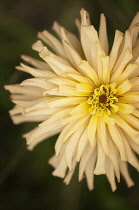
x=25, y=177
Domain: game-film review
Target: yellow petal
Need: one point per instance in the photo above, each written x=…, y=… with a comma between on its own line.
x=101, y=133
x=124, y=87
x=115, y=48
x=80, y=108
x=53, y=42
x=100, y=164
x=129, y=98
x=68, y=101
x=105, y=69
x=127, y=73
x=89, y=171
x=83, y=142
x=125, y=108
x=126, y=127
x=88, y=152
x=130, y=119
x=121, y=64
x=90, y=72
x=110, y=173
x=109, y=120
x=76, y=126
x=72, y=55
x=125, y=173
x=103, y=34
x=81, y=78
x=91, y=130
x=117, y=139
x=84, y=88
x=71, y=146
x=85, y=19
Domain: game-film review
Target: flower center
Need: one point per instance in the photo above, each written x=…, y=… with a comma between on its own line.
x=103, y=99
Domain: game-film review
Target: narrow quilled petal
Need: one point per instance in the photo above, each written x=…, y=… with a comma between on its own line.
x=86, y=93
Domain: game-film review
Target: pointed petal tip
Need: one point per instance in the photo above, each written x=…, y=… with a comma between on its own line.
x=5, y=87
x=81, y=177
x=29, y=148
x=17, y=67
x=55, y=23
x=90, y=188
x=114, y=189
x=44, y=52
x=55, y=173
x=23, y=56
x=131, y=184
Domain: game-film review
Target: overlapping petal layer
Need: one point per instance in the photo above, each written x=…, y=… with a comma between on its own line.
x=87, y=94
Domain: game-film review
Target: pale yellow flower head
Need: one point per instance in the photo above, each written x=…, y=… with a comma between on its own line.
x=89, y=94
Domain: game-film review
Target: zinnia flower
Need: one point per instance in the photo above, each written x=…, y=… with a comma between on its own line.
x=87, y=93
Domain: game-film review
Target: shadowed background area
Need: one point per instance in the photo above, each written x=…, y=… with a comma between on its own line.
x=25, y=177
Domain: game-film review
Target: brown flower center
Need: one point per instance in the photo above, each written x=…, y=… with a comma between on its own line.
x=102, y=98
